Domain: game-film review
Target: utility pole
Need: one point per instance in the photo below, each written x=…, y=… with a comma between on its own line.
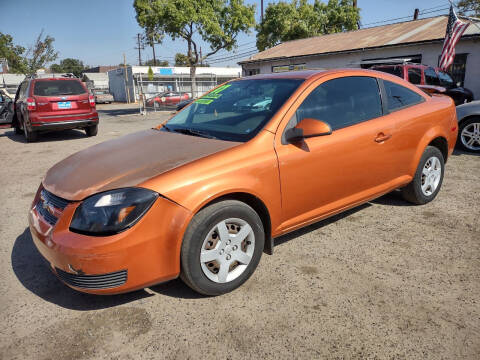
x=127, y=90
x=261, y=10
x=201, y=58
x=140, y=47
x=355, y=6
x=415, y=14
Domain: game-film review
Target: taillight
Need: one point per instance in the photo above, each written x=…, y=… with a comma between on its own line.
x=31, y=104
x=91, y=99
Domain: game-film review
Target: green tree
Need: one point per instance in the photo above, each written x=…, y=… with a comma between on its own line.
x=216, y=22
x=469, y=7
x=150, y=38
x=150, y=73
x=158, y=62
x=284, y=21
x=13, y=53
x=69, y=65
x=181, y=59
x=40, y=53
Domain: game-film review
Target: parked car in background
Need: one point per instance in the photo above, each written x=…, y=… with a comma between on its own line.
x=167, y=98
x=46, y=104
x=430, y=78
x=102, y=96
x=203, y=195
x=469, y=126
x=6, y=108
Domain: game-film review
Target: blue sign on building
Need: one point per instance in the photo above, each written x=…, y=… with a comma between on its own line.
x=167, y=71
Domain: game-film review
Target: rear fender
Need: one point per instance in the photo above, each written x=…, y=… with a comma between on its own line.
x=427, y=138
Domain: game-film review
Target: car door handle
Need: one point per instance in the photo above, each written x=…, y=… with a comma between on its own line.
x=382, y=137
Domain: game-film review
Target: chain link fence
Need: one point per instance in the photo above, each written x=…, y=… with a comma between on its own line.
x=167, y=93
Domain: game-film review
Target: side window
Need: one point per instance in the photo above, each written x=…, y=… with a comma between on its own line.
x=431, y=77
x=343, y=102
x=415, y=76
x=399, y=97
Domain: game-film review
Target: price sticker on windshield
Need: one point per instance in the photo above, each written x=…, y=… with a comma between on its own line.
x=213, y=95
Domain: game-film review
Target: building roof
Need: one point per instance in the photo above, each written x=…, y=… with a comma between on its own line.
x=11, y=79
x=415, y=31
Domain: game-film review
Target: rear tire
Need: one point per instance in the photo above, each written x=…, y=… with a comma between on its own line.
x=91, y=130
x=221, y=248
x=469, y=135
x=30, y=136
x=428, y=178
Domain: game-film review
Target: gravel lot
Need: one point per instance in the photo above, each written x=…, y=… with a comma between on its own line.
x=384, y=280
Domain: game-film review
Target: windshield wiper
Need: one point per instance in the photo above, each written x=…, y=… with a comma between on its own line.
x=189, y=131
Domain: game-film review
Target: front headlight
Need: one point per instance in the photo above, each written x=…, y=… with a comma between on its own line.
x=112, y=211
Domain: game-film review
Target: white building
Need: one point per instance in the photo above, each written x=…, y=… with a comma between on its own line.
x=417, y=41
x=134, y=80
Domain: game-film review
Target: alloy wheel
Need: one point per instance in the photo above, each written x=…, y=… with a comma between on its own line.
x=431, y=175
x=470, y=136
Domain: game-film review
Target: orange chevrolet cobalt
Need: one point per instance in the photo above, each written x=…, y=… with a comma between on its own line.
x=204, y=194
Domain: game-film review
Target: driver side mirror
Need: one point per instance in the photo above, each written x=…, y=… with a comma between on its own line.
x=307, y=128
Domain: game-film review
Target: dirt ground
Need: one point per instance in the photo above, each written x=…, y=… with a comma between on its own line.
x=386, y=280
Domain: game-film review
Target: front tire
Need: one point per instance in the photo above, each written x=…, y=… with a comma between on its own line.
x=469, y=135
x=221, y=248
x=428, y=178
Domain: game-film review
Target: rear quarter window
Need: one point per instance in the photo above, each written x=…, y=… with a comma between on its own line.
x=58, y=87
x=399, y=97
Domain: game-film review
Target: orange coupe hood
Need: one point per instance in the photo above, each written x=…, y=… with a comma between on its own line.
x=126, y=161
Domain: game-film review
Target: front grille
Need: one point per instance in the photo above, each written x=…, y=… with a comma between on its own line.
x=103, y=281
x=51, y=219
x=45, y=203
x=58, y=202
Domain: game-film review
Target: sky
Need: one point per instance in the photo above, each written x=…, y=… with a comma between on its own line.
x=99, y=32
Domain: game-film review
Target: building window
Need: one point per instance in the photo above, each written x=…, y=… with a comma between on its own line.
x=403, y=59
x=251, y=72
x=284, y=68
x=458, y=68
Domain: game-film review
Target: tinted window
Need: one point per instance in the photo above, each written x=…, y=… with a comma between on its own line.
x=394, y=70
x=431, y=77
x=58, y=87
x=399, y=96
x=415, y=76
x=343, y=102
x=446, y=80
x=236, y=111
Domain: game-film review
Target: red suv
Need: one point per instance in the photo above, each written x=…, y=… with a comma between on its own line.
x=46, y=104
x=422, y=75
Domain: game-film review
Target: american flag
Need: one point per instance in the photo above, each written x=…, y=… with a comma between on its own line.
x=455, y=29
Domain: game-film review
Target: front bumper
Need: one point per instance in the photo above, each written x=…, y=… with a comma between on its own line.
x=144, y=255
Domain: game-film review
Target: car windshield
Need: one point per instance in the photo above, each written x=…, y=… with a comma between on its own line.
x=394, y=70
x=446, y=80
x=236, y=111
x=58, y=87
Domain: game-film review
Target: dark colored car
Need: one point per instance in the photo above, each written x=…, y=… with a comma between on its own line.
x=46, y=104
x=469, y=126
x=432, y=77
x=168, y=98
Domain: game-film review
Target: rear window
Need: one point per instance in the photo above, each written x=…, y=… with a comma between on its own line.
x=399, y=97
x=58, y=87
x=394, y=70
